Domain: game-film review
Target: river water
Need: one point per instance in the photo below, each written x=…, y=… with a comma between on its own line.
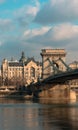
x=16, y=114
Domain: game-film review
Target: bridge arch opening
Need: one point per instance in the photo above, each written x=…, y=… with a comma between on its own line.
x=56, y=64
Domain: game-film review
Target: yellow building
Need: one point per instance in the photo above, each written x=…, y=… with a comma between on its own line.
x=74, y=65
x=24, y=71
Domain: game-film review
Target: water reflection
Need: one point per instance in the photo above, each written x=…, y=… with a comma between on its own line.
x=37, y=115
x=60, y=118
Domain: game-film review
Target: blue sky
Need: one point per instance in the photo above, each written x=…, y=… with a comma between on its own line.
x=31, y=25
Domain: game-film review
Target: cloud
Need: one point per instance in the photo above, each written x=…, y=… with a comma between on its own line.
x=2, y=1
x=13, y=46
x=58, y=33
x=64, y=31
x=11, y=40
x=32, y=41
x=26, y=14
x=5, y=24
x=0, y=43
x=19, y=33
x=35, y=32
x=58, y=36
x=58, y=11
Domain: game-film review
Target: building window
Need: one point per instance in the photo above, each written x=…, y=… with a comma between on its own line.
x=32, y=72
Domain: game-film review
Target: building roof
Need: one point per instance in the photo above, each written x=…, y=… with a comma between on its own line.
x=32, y=59
x=15, y=63
x=74, y=62
x=20, y=63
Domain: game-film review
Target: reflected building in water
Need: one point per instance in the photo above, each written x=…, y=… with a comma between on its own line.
x=38, y=116
x=59, y=116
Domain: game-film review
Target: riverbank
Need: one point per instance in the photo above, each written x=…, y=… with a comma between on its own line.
x=15, y=94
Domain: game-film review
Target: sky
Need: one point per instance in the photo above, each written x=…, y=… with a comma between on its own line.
x=33, y=25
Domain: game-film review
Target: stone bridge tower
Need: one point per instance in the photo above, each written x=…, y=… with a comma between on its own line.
x=50, y=57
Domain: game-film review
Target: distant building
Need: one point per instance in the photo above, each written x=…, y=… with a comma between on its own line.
x=74, y=82
x=74, y=65
x=26, y=70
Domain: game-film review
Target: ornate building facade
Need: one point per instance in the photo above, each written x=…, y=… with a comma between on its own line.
x=25, y=71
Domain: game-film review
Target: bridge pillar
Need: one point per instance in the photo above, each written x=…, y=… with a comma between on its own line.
x=52, y=55
x=73, y=95
x=57, y=93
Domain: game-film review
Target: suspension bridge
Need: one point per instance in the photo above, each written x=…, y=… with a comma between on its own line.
x=56, y=77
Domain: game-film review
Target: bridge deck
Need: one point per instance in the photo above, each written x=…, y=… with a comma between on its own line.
x=62, y=76
x=59, y=78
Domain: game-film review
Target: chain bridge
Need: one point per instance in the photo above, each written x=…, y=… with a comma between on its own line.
x=58, y=76
x=57, y=80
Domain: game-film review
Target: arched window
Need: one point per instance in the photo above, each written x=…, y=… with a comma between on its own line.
x=32, y=72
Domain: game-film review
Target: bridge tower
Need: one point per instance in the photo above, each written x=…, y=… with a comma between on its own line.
x=50, y=57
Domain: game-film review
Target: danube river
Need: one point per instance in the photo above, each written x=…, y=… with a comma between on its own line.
x=16, y=114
